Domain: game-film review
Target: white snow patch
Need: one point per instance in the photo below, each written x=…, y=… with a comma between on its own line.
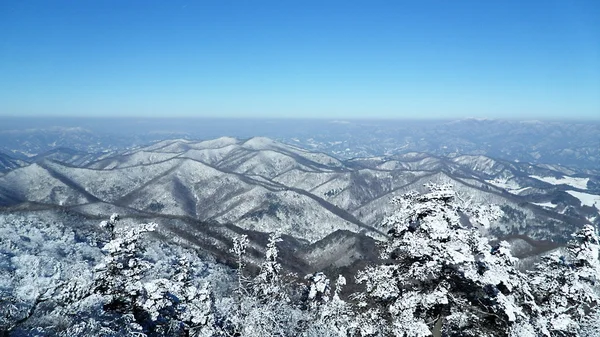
x=544, y=204
x=216, y=143
x=260, y=143
x=586, y=198
x=580, y=183
x=504, y=183
x=507, y=184
x=519, y=191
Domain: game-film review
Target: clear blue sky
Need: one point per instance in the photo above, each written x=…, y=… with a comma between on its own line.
x=324, y=59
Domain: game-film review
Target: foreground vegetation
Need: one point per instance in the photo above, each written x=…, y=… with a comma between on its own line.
x=438, y=276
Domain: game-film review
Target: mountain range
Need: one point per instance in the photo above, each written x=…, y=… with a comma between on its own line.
x=573, y=144
x=330, y=211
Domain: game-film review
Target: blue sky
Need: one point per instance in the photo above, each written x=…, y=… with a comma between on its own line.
x=315, y=59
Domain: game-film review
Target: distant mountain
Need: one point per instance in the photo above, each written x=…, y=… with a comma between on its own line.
x=8, y=163
x=571, y=144
x=71, y=157
x=263, y=185
x=27, y=143
x=566, y=143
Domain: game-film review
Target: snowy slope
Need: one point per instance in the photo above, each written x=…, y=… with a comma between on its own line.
x=110, y=185
x=8, y=163
x=36, y=183
x=480, y=164
x=197, y=190
x=587, y=199
x=209, y=155
x=133, y=159
x=265, y=185
x=580, y=183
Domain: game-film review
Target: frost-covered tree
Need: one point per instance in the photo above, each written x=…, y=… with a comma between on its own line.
x=267, y=284
x=567, y=287
x=239, y=249
x=198, y=312
x=584, y=249
x=119, y=277
x=48, y=286
x=319, y=289
x=44, y=271
x=196, y=309
x=174, y=305
x=440, y=275
x=110, y=225
x=333, y=317
x=263, y=307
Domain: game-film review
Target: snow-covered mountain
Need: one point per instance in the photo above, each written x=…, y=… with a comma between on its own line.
x=573, y=144
x=8, y=163
x=263, y=185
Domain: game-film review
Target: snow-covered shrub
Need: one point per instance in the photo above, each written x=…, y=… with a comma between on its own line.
x=567, y=287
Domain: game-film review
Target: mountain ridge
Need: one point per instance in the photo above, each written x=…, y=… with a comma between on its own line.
x=261, y=184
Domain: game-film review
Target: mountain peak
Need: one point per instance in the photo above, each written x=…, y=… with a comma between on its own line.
x=216, y=143
x=260, y=143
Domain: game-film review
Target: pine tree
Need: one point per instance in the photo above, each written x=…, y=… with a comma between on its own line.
x=267, y=284
x=440, y=275
x=263, y=306
x=119, y=277
x=333, y=317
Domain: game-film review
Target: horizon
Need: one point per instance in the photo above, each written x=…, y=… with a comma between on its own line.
x=261, y=125
x=276, y=128
x=347, y=60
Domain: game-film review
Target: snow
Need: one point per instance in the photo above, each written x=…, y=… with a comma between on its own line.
x=580, y=183
x=133, y=159
x=392, y=165
x=216, y=143
x=507, y=184
x=110, y=185
x=260, y=143
x=544, y=204
x=587, y=199
x=478, y=163
x=263, y=143
x=231, y=198
x=520, y=190
x=172, y=145
x=182, y=186
x=266, y=163
x=35, y=183
x=209, y=155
